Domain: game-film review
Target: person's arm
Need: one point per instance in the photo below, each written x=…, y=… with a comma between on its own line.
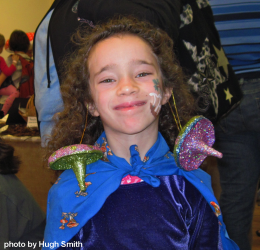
x=20, y=220
x=4, y=224
x=7, y=223
x=9, y=70
x=2, y=78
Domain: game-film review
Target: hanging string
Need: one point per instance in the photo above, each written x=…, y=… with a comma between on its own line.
x=177, y=120
x=86, y=122
x=174, y=117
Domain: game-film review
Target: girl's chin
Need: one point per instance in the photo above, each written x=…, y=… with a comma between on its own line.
x=136, y=128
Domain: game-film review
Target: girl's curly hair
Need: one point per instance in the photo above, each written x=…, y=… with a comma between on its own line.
x=75, y=87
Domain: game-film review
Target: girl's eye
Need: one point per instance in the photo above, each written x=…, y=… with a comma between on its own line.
x=107, y=81
x=143, y=74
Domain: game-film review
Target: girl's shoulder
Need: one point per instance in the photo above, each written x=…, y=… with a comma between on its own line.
x=182, y=188
x=25, y=56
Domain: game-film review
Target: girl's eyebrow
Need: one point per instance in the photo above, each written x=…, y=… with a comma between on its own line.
x=140, y=62
x=105, y=68
x=132, y=62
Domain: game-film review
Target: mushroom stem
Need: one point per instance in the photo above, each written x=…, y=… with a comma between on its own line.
x=203, y=148
x=80, y=172
x=78, y=165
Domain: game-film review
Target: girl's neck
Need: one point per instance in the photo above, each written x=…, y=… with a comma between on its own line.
x=120, y=143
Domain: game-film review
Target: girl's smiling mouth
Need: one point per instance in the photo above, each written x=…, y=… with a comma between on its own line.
x=129, y=105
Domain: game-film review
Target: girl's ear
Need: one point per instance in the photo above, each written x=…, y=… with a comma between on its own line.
x=92, y=109
x=166, y=95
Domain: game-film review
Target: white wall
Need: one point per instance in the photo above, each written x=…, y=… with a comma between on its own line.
x=21, y=14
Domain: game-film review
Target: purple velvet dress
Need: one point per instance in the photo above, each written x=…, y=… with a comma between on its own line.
x=138, y=216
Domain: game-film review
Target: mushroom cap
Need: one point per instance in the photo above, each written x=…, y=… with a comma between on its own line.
x=63, y=221
x=65, y=156
x=72, y=224
x=194, y=143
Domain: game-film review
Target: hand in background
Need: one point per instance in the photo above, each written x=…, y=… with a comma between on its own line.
x=15, y=57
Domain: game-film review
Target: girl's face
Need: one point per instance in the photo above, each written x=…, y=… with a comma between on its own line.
x=126, y=85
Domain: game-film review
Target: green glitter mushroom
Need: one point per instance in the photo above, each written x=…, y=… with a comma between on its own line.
x=75, y=157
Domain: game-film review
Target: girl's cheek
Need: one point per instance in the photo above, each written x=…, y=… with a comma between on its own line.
x=156, y=98
x=155, y=103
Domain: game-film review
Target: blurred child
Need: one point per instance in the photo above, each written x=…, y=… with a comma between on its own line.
x=22, y=219
x=121, y=78
x=19, y=43
x=6, y=88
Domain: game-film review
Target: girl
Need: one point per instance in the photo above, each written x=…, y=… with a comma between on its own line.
x=5, y=71
x=19, y=43
x=121, y=80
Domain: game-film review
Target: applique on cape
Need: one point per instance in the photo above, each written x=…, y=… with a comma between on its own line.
x=71, y=222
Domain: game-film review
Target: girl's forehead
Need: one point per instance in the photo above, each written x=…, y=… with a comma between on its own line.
x=125, y=46
x=135, y=39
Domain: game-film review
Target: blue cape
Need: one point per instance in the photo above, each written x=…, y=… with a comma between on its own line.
x=66, y=205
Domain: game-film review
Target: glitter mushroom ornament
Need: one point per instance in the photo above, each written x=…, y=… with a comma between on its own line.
x=75, y=157
x=194, y=143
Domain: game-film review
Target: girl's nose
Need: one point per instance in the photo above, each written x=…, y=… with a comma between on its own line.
x=127, y=86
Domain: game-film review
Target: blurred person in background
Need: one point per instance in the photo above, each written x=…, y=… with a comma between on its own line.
x=6, y=86
x=238, y=135
x=21, y=218
x=19, y=44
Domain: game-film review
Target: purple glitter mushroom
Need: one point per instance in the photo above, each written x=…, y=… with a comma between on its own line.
x=194, y=143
